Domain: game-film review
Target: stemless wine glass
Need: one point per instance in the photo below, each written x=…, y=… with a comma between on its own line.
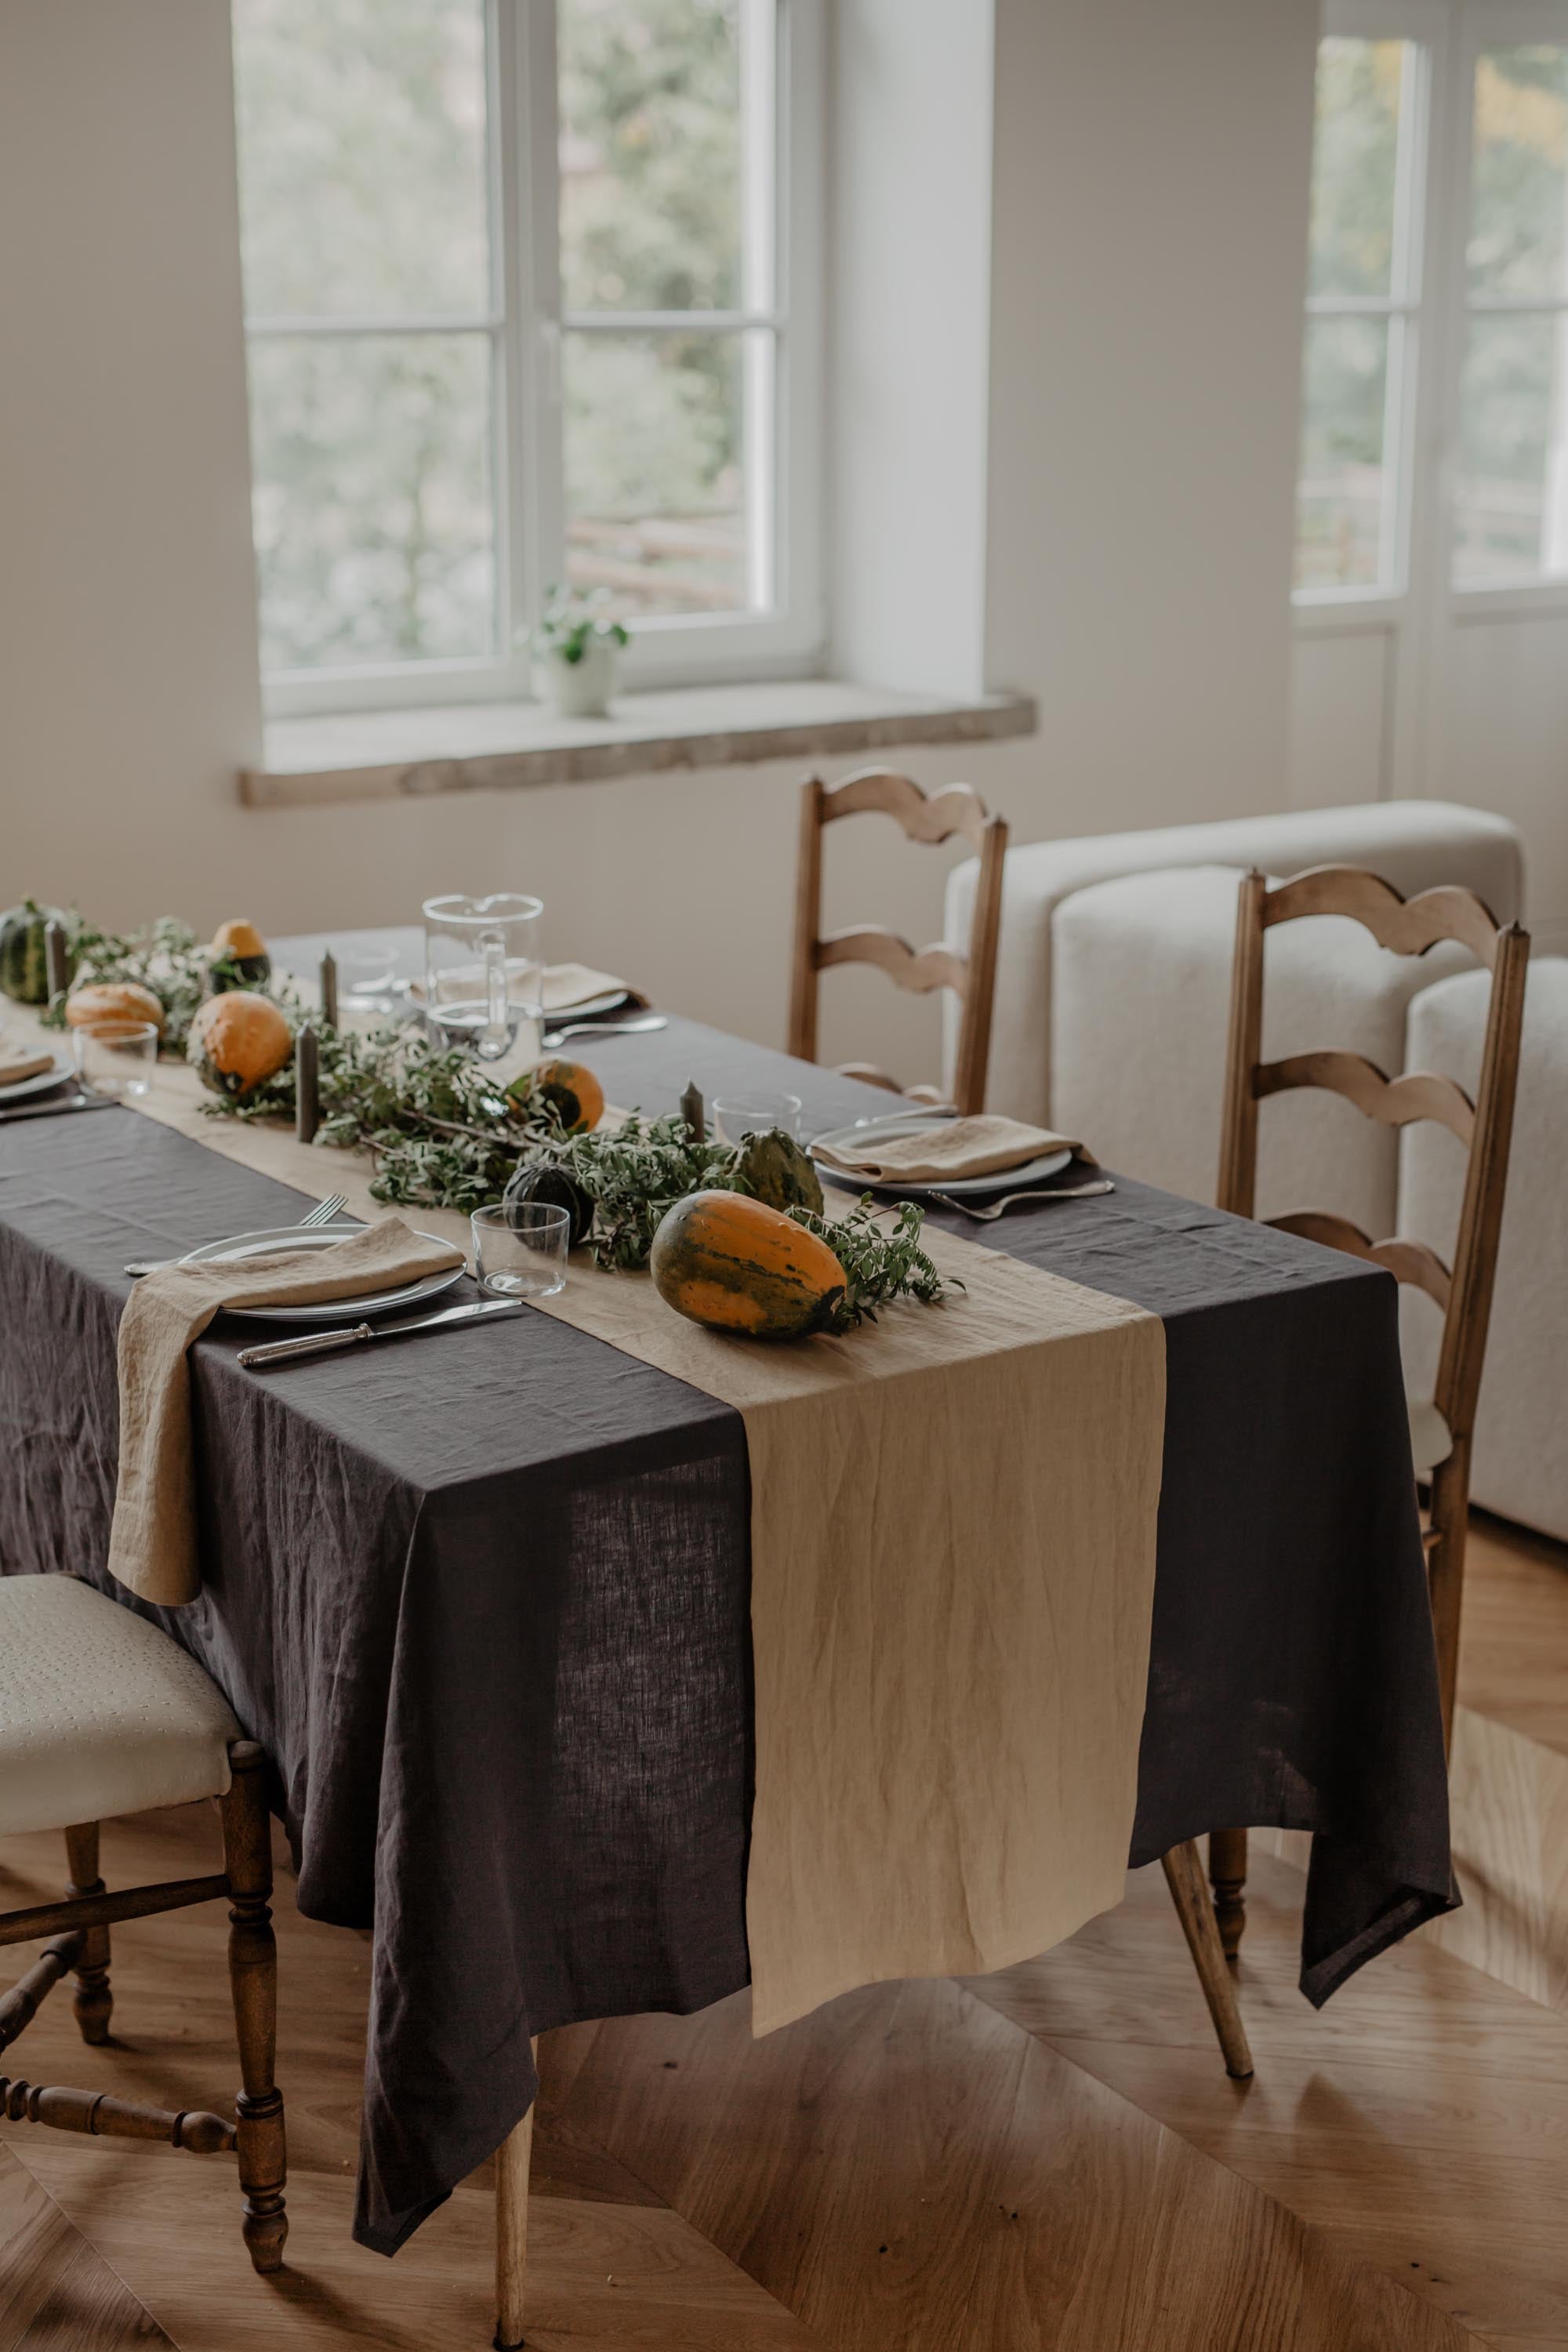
x=520, y=1247
x=755, y=1113
x=115, y=1057
x=483, y=981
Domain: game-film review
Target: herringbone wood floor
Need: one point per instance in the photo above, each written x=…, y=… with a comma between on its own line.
x=1047, y=2162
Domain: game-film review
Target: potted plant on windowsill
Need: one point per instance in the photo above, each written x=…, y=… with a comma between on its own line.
x=575, y=645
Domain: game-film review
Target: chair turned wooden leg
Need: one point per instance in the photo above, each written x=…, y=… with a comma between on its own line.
x=514, y=2158
x=1227, y=1873
x=93, y=2002
x=1184, y=1876
x=252, y=1977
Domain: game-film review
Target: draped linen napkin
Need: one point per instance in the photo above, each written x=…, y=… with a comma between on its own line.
x=153, y=1544
x=16, y=1066
x=945, y=1150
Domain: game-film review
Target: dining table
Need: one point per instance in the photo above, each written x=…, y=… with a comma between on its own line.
x=484, y=1598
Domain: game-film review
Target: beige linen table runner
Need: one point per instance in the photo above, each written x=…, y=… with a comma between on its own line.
x=153, y=1543
x=952, y=1562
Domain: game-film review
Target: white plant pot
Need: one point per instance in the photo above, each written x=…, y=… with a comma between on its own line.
x=580, y=689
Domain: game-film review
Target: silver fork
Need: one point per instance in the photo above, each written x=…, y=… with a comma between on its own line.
x=322, y=1214
x=1057, y=1193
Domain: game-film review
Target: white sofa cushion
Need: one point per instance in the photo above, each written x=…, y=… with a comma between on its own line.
x=100, y=1712
x=1520, y=1462
x=1412, y=843
x=1140, y=994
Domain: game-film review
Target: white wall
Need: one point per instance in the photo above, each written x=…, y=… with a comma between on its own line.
x=1130, y=357
x=128, y=686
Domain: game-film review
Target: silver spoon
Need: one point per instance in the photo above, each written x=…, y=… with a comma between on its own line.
x=1057, y=1193
x=554, y=1037
x=322, y=1214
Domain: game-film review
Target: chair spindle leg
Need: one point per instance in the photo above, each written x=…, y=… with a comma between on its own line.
x=253, y=1979
x=93, y=2002
x=1184, y=1876
x=1227, y=1873
x=514, y=2158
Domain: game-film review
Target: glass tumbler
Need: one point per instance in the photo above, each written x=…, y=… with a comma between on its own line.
x=737, y=1115
x=519, y=1248
x=115, y=1057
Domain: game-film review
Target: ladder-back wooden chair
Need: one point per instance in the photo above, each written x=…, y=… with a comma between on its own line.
x=101, y=1714
x=924, y=817
x=1441, y=1427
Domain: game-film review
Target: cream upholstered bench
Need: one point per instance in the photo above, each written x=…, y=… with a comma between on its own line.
x=102, y=1715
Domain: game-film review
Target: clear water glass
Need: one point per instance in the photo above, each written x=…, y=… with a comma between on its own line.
x=115, y=1057
x=366, y=969
x=519, y=1248
x=737, y=1115
x=484, y=982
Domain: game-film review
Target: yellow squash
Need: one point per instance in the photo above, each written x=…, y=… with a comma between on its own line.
x=733, y=1263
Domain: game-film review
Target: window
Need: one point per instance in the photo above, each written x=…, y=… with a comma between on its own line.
x=524, y=294
x=1362, y=299
x=1511, y=502
x=1435, y=378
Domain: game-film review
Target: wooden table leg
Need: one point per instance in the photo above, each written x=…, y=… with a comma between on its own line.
x=513, y=2158
x=1184, y=1876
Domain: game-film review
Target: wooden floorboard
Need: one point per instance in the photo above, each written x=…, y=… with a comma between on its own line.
x=1513, y=1650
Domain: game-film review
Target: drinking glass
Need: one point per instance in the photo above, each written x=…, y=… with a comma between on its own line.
x=737, y=1115
x=520, y=1247
x=365, y=971
x=483, y=979
x=115, y=1057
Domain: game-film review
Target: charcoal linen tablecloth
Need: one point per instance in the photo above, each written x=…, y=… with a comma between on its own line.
x=484, y=1598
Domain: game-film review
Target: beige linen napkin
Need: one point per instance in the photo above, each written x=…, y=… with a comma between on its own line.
x=153, y=1544
x=945, y=1150
x=15, y=1067
x=567, y=985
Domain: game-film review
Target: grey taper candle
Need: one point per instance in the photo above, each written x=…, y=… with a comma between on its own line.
x=691, y=1111
x=307, y=1088
x=330, y=989
x=56, y=967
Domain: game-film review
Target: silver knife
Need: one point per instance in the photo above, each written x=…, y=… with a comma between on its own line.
x=54, y=1109
x=318, y=1343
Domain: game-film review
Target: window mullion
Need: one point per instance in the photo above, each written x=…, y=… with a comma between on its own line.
x=534, y=282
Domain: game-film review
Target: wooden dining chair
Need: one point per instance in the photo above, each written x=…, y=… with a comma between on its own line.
x=930, y=817
x=100, y=1713
x=1441, y=1426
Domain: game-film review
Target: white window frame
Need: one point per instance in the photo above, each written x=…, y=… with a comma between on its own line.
x=1421, y=425
x=782, y=61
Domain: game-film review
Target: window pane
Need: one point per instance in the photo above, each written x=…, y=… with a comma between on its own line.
x=650, y=154
x=1512, y=506
x=362, y=156
x=1344, y=484
x=655, y=473
x=374, y=535
x=1355, y=153
x=1519, y=189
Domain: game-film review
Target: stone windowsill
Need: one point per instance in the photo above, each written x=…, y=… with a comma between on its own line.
x=467, y=747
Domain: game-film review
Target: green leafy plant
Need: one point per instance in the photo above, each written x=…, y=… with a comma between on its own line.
x=879, y=1264
x=572, y=621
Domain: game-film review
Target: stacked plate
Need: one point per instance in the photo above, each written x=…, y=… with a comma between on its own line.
x=61, y=1072
x=239, y=1246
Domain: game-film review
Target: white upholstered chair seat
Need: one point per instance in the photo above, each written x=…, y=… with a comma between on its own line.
x=100, y=1712
x=1431, y=1440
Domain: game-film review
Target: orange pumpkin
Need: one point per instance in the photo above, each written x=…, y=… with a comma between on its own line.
x=573, y=1092
x=733, y=1263
x=238, y=1041
x=113, y=1000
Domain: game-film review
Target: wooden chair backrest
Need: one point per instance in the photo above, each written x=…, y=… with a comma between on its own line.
x=930, y=817
x=1485, y=1126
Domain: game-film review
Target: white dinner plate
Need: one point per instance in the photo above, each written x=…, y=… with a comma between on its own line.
x=1039, y=1170
x=322, y=1310
x=41, y=1084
